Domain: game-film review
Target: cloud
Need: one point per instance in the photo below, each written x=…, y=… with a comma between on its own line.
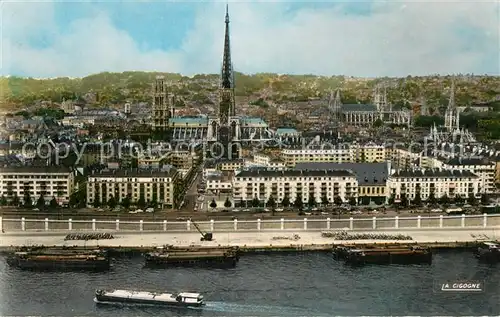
x=393, y=39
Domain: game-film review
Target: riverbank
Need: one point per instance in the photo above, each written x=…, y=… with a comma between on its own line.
x=253, y=241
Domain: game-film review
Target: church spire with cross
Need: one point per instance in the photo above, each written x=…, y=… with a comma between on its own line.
x=226, y=107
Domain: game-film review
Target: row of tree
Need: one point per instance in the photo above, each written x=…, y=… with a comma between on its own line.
x=444, y=200
x=28, y=202
x=298, y=202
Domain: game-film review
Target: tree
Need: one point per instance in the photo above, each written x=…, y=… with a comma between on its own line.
x=337, y=201
x=15, y=201
x=3, y=201
x=352, y=201
x=392, y=199
x=458, y=199
x=445, y=200
x=472, y=199
x=271, y=203
x=111, y=202
x=73, y=200
x=324, y=200
x=126, y=202
x=417, y=201
x=213, y=204
x=432, y=198
x=298, y=202
x=228, y=203
x=255, y=202
x=286, y=201
x=312, y=200
x=97, y=202
x=27, y=200
x=378, y=123
x=40, y=203
x=141, y=202
x=404, y=200
x=53, y=203
x=485, y=200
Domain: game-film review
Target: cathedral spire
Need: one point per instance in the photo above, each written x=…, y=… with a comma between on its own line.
x=227, y=68
x=451, y=102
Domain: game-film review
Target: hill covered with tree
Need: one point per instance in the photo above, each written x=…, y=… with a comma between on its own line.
x=116, y=88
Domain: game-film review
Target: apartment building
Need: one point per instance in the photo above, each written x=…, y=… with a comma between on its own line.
x=230, y=165
x=371, y=177
x=153, y=186
x=182, y=160
x=266, y=161
x=220, y=182
x=440, y=182
x=49, y=182
x=293, y=156
x=370, y=152
x=482, y=167
x=262, y=184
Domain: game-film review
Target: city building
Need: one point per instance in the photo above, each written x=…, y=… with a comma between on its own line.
x=371, y=178
x=484, y=168
x=290, y=184
x=368, y=114
x=337, y=155
x=49, y=182
x=426, y=183
x=145, y=187
x=227, y=128
x=163, y=105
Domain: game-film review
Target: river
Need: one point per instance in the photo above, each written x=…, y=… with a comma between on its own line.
x=310, y=284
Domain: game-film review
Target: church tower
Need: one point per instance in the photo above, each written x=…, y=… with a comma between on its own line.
x=161, y=111
x=227, y=127
x=452, y=115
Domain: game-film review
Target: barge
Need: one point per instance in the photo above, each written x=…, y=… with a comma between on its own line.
x=184, y=299
x=391, y=255
x=56, y=260
x=223, y=258
x=488, y=252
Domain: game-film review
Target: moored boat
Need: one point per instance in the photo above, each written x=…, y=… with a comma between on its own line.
x=183, y=299
x=210, y=258
x=46, y=261
x=488, y=252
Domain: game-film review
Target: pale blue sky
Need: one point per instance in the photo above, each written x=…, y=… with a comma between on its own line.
x=397, y=38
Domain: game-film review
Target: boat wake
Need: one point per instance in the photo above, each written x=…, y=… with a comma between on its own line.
x=225, y=307
x=255, y=310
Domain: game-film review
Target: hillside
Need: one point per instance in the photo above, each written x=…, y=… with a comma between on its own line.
x=108, y=89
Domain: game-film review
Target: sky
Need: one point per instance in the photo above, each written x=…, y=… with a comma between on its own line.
x=367, y=39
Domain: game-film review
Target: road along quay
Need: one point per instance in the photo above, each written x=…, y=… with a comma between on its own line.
x=304, y=224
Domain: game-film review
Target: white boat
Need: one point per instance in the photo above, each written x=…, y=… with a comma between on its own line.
x=184, y=299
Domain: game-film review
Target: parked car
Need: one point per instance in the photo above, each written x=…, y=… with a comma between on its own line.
x=150, y=210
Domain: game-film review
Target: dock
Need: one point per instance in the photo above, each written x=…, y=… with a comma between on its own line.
x=248, y=242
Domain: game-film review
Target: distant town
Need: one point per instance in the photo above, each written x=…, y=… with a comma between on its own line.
x=263, y=143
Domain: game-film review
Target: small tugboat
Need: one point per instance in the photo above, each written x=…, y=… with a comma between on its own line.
x=183, y=299
x=488, y=252
x=59, y=260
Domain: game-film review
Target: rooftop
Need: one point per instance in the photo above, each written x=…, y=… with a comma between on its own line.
x=358, y=107
x=136, y=173
x=366, y=173
x=294, y=173
x=35, y=170
x=435, y=173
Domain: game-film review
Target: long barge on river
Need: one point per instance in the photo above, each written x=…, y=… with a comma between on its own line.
x=221, y=257
x=383, y=255
x=184, y=299
x=59, y=259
